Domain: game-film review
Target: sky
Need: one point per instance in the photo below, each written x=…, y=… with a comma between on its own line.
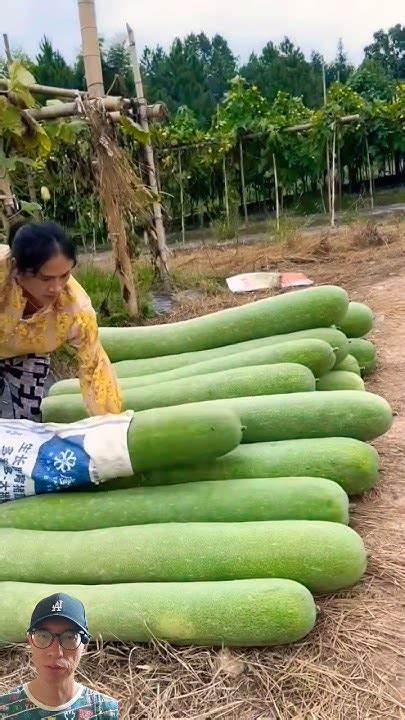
x=313, y=24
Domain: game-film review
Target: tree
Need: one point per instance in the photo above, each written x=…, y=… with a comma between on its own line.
x=51, y=68
x=388, y=49
x=372, y=81
x=194, y=72
x=217, y=59
x=117, y=70
x=340, y=69
x=285, y=68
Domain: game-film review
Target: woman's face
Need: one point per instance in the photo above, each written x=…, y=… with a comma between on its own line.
x=46, y=286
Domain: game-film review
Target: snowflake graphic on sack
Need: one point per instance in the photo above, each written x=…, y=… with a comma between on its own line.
x=65, y=461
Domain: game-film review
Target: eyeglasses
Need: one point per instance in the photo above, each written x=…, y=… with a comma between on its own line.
x=69, y=639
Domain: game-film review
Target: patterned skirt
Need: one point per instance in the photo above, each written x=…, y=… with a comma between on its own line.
x=25, y=376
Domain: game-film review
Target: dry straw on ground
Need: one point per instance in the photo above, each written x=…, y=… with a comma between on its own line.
x=350, y=667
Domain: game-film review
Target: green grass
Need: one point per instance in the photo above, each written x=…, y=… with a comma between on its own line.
x=103, y=288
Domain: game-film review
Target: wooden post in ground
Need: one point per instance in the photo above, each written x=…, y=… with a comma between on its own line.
x=370, y=176
x=242, y=181
x=332, y=210
x=183, y=226
x=162, y=249
x=276, y=193
x=328, y=183
x=115, y=222
x=226, y=193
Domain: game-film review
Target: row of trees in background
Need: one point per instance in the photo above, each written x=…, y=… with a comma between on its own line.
x=226, y=147
x=195, y=72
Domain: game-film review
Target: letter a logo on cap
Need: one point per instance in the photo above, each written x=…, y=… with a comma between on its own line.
x=57, y=607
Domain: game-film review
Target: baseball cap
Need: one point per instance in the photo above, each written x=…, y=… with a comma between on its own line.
x=60, y=605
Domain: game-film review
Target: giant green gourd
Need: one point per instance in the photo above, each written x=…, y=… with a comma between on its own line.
x=349, y=364
x=300, y=310
x=358, y=320
x=316, y=355
x=345, y=413
x=291, y=416
x=323, y=556
x=289, y=498
x=352, y=464
x=171, y=436
x=134, y=368
x=340, y=380
x=238, y=612
x=243, y=381
x=365, y=353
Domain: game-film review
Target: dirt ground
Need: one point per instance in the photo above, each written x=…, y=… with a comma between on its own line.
x=353, y=665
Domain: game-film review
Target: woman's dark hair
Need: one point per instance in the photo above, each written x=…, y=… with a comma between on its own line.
x=33, y=244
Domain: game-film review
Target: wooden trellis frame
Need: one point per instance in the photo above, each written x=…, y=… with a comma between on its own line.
x=115, y=107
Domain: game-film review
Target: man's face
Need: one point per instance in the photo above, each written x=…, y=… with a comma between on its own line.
x=54, y=664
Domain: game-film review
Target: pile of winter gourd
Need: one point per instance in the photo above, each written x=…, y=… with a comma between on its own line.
x=251, y=431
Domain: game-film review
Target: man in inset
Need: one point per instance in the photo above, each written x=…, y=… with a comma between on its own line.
x=58, y=636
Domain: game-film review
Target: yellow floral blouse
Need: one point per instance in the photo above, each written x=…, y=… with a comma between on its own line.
x=71, y=320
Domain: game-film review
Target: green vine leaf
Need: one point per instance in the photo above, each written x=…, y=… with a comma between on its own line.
x=20, y=79
x=10, y=118
x=134, y=130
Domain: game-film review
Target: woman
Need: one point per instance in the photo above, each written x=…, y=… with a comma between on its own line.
x=41, y=308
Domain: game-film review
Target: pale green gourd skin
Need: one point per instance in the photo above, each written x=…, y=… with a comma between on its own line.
x=292, y=416
x=340, y=413
x=340, y=380
x=358, y=320
x=317, y=355
x=365, y=353
x=352, y=464
x=300, y=310
x=239, y=613
x=251, y=499
x=240, y=381
x=134, y=368
x=170, y=436
x=323, y=556
x=349, y=364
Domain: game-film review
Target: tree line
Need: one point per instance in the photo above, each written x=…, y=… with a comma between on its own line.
x=195, y=72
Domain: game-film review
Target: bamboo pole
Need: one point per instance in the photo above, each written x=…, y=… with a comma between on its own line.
x=52, y=112
x=91, y=48
x=226, y=194
x=183, y=226
x=339, y=172
x=327, y=145
x=114, y=217
x=7, y=49
x=163, y=252
x=242, y=180
x=370, y=176
x=332, y=210
x=155, y=111
x=276, y=193
x=47, y=90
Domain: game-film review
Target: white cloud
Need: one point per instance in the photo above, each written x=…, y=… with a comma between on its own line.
x=312, y=25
